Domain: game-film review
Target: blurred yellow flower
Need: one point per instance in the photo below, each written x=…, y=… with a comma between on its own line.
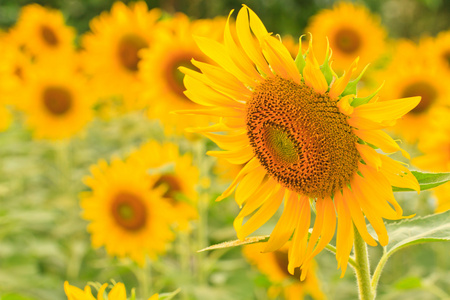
x=14, y=66
x=172, y=172
x=352, y=30
x=57, y=103
x=434, y=143
x=439, y=50
x=127, y=213
x=303, y=136
x=112, y=50
x=5, y=118
x=274, y=266
x=118, y=292
x=43, y=31
x=411, y=74
x=175, y=47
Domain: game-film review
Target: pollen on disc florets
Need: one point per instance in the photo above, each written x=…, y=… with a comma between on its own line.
x=301, y=138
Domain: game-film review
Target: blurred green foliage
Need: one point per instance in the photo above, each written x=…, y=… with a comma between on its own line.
x=403, y=18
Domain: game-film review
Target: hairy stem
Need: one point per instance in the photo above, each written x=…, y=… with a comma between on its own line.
x=363, y=268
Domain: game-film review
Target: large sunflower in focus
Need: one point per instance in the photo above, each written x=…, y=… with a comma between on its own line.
x=127, y=213
x=43, y=31
x=352, y=32
x=56, y=101
x=174, y=47
x=274, y=266
x=304, y=136
x=117, y=292
x=172, y=172
x=112, y=50
x=411, y=74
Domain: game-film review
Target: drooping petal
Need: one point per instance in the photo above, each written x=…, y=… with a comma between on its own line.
x=285, y=225
x=344, y=236
x=386, y=110
x=339, y=85
x=380, y=139
x=249, y=184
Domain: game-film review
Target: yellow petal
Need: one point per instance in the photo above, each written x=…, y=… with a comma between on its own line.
x=267, y=210
x=386, y=110
x=249, y=184
x=285, y=225
x=237, y=156
x=339, y=85
x=314, y=78
x=248, y=42
x=344, y=236
x=229, y=142
x=344, y=105
x=382, y=140
x=369, y=155
x=398, y=175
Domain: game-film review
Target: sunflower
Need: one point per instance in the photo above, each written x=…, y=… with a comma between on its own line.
x=56, y=101
x=118, y=292
x=112, y=50
x=14, y=66
x=352, y=32
x=174, y=47
x=43, y=31
x=301, y=140
x=439, y=50
x=172, y=172
x=411, y=74
x=274, y=266
x=126, y=211
x=435, y=145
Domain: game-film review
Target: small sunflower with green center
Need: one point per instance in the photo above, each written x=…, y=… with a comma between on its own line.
x=117, y=292
x=412, y=74
x=43, y=31
x=172, y=172
x=56, y=102
x=435, y=146
x=174, y=47
x=353, y=31
x=112, y=50
x=304, y=137
x=274, y=266
x=127, y=212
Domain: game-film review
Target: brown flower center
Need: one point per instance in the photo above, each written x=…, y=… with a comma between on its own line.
x=57, y=100
x=347, y=40
x=49, y=36
x=423, y=89
x=172, y=185
x=129, y=211
x=128, y=51
x=301, y=138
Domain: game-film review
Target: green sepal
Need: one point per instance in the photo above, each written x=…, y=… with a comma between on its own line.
x=360, y=101
x=300, y=59
x=326, y=68
x=350, y=89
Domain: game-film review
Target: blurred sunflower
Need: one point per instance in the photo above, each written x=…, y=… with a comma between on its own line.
x=14, y=65
x=43, y=31
x=352, y=30
x=435, y=145
x=274, y=266
x=410, y=74
x=301, y=140
x=127, y=213
x=56, y=101
x=172, y=172
x=112, y=50
x=175, y=47
x=118, y=292
x=439, y=50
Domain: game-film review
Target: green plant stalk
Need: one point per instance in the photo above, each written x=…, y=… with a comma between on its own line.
x=363, y=268
x=379, y=269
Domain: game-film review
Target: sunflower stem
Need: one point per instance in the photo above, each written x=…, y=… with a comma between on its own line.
x=379, y=269
x=363, y=268
x=144, y=279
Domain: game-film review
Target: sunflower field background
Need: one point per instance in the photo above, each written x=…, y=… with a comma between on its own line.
x=101, y=182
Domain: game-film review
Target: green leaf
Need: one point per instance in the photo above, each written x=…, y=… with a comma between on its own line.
x=418, y=230
x=169, y=296
x=426, y=181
